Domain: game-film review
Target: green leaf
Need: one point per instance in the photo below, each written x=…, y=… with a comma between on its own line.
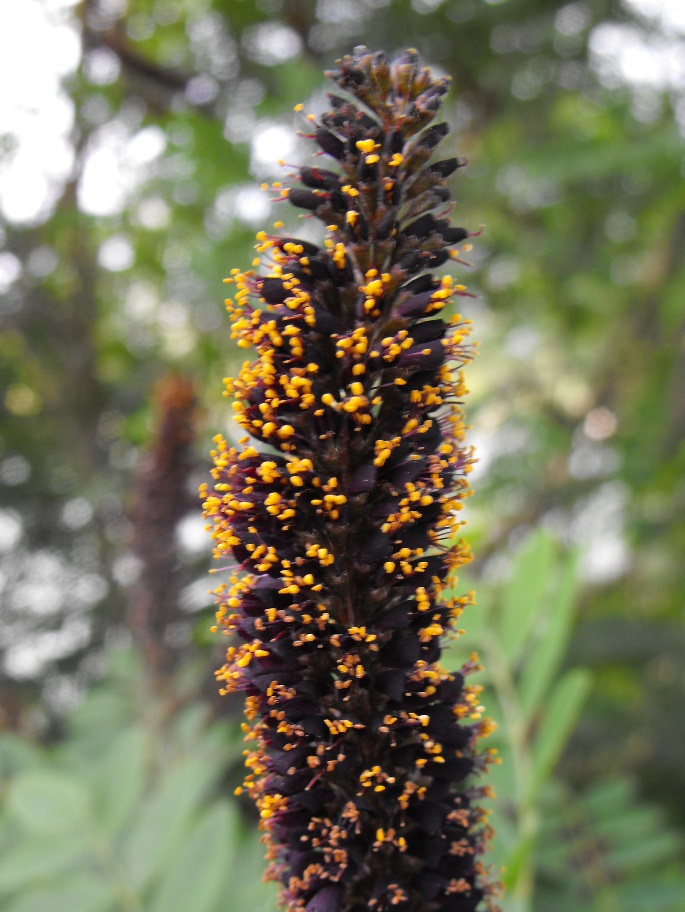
x=517, y=862
x=103, y=711
x=540, y=668
x=197, y=874
x=10, y=830
x=475, y=617
x=624, y=823
x=48, y=802
x=608, y=797
x=249, y=891
x=120, y=782
x=656, y=896
x=523, y=594
x=37, y=859
x=644, y=852
x=163, y=820
x=78, y=892
x=607, y=845
x=190, y=726
x=560, y=717
x=17, y=755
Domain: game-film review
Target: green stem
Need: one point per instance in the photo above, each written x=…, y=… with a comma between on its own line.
x=520, y=890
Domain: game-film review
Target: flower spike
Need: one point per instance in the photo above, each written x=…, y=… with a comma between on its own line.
x=340, y=510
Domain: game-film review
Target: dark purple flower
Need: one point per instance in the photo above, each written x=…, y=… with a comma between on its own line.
x=341, y=507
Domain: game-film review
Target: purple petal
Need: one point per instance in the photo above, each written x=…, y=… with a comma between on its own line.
x=326, y=900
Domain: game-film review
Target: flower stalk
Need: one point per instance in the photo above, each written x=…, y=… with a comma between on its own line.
x=340, y=511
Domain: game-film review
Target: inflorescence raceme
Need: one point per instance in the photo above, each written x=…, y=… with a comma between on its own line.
x=339, y=510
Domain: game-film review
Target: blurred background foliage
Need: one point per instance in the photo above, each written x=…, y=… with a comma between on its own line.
x=130, y=168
